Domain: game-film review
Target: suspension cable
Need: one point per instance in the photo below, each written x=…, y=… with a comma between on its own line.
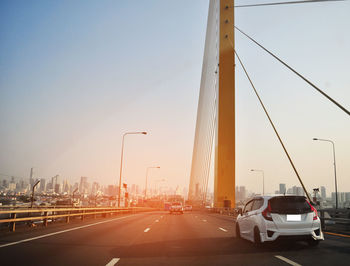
x=295, y=72
x=289, y=3
x=273, y=126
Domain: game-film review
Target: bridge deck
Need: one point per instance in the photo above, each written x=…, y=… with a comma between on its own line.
x=159, y=238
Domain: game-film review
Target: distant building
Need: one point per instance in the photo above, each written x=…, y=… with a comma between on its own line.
x=95, y=187
x=112, y=190
x=57, y=188
x=282, y=189
x=323, y=193
x=241, y=193
x=42, y=184
x=83, y=186
x=31, y=177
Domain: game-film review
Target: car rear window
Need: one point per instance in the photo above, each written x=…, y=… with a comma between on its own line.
x=290, y=205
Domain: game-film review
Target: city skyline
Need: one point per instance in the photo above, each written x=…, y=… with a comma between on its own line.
x=67, y=98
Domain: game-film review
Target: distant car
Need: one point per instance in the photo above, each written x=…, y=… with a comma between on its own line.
x=267, y=218
x=176, y=207
x=188, y=208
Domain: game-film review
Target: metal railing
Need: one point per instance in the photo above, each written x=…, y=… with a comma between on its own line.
x=45, y=214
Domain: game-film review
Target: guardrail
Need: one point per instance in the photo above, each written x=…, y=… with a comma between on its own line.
x=332, y=223
x=46, y=214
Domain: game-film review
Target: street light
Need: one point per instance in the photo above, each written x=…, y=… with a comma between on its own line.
x=75, y=190
x=335, y=170
x=32, y=199
x=147, y=178
x=256, y=170
x=121, y=160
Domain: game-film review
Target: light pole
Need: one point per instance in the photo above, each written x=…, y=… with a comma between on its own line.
x=335, y=170
x=263, y=176
x=121, y=160
x=147, y=178
x=75, y=190
x=32, y=199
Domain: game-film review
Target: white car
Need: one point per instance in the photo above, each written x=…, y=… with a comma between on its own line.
x=266, y=218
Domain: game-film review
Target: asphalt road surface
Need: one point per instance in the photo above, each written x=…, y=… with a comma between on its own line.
x=158, y=238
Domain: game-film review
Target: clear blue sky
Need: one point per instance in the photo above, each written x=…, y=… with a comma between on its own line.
x=75, y=75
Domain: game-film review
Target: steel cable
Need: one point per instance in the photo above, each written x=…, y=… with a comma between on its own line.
x=295, y=72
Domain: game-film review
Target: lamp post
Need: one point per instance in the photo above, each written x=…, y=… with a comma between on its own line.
x=263, y=176
x=32, y=198
x=335, y=170
x=75, y=190
x=121, y=160
x=147, y=178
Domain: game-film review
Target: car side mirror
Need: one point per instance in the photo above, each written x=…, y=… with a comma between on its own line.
x=239, y=211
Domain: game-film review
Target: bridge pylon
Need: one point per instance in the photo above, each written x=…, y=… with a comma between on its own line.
x=216, y=111
x=224, y=173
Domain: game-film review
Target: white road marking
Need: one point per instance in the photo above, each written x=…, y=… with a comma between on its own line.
x=113, y=262
x=147, y=229
x=287, y=260
x=61, y=232
x=157, y=221
x=204, y=220
x=222, y=229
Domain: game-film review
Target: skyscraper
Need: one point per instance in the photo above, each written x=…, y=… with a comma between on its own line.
x=31, y=178
x=282, y=189
x=83, y=185
x=323, y=192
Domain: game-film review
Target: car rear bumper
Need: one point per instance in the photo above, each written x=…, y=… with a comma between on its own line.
x=295, y=234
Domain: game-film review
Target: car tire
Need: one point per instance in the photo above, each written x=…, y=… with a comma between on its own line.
x=238, y=232
x=257, y=238
x=313, y=243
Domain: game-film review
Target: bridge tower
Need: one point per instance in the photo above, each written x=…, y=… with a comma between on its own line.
x=215, y=126
x=224, y=175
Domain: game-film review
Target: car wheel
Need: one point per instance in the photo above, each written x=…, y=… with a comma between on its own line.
x=257, y=238
x=313, y=243
x=238, y=232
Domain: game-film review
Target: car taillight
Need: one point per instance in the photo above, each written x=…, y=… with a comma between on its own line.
x=267, y=213
x=314, y=211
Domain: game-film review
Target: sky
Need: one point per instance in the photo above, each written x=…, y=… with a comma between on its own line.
x=76, y=75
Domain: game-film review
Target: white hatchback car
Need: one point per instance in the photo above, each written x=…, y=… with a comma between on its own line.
x=266, y=218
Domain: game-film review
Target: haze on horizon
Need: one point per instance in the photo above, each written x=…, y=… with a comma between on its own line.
x=75, y=76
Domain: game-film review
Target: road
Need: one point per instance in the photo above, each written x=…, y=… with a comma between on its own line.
x=158, y=238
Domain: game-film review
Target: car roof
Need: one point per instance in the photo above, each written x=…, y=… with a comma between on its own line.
x=267, y=197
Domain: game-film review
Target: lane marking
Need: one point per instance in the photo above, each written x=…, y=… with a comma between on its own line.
x=335, y=234
x=204, y=220
x=113, y=262
x=157, y=221
x=287, y=260
x=61, y=232
x=147, y=229
x=222, y=229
